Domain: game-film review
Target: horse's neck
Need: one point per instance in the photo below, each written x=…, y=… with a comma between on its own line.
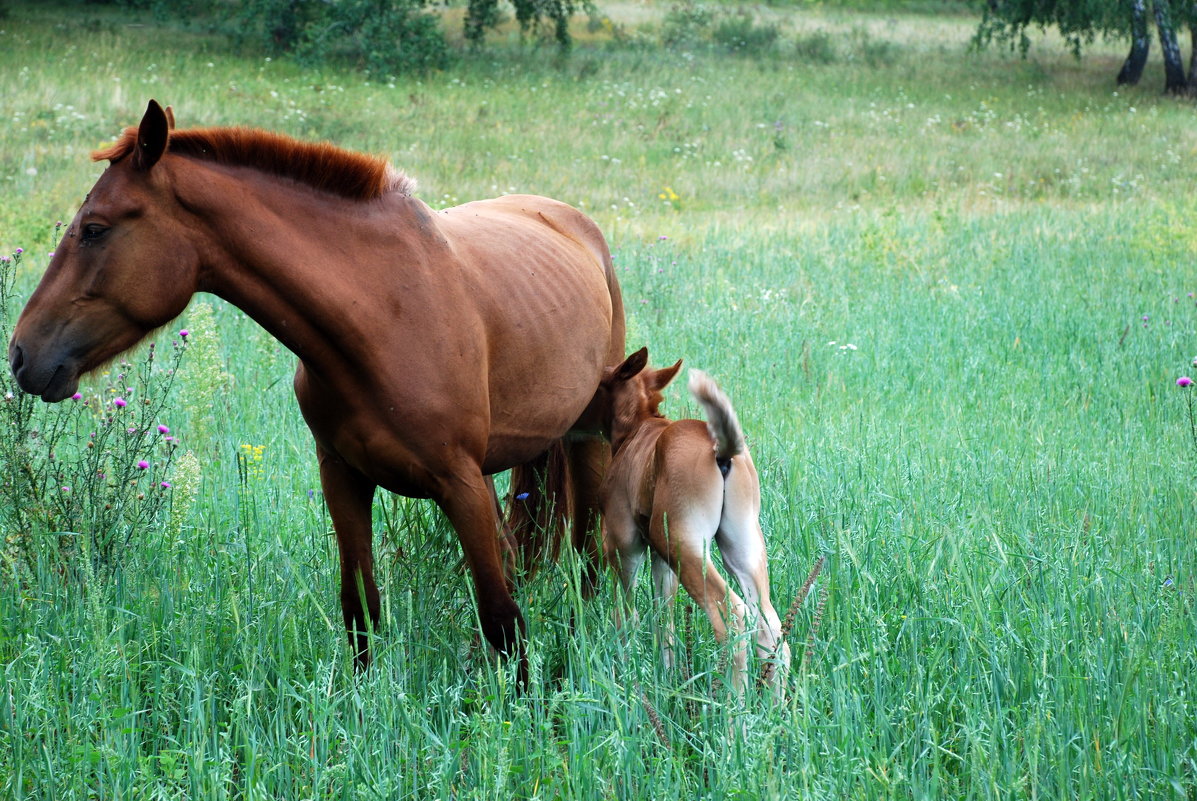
x=285, y=256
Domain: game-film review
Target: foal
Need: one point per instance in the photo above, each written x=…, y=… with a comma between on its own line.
x=672, y=487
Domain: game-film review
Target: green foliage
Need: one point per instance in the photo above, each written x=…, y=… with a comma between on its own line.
x=741, y=33
x=816, y=47
x=1078, y=21
x=690, y=24
x=687, y=24
x=383, y=37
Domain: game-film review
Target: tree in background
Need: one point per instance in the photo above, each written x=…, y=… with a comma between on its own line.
x=1080, y=21
x=532, y=15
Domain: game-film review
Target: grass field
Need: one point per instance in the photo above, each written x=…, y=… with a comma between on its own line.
x=1000, y=470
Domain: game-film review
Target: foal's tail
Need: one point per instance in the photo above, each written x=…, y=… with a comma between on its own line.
x=538, y=506
x=721, y=418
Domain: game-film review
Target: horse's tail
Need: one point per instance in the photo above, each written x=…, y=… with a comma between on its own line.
x=538, y=506
x=721, y=418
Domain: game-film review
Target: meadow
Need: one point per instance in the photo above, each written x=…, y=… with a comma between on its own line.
x=949, y=292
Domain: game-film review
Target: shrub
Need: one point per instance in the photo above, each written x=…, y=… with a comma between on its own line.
x=740, y=33
x=816, y=47
x=686, y=24
x=384, y=37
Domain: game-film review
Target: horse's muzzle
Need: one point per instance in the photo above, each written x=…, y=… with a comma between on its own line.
x=52, y=384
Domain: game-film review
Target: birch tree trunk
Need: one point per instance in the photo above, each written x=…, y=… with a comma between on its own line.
x=1174, y=69
x=1132, y=68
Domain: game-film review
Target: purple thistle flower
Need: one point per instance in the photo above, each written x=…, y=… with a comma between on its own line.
x=184, y=333
x=119, y=402
x=66, y=489
x=1184, y=381
x=165, y=485
x=77, y=396
x=168, y=439
x=143, y=464
x=163, y=429
x=51, y=254
x=19, y=251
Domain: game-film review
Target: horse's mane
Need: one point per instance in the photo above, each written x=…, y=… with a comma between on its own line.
x=356, y=176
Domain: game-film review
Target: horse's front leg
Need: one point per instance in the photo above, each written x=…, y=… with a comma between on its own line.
x=467, y=501
x=349, y=495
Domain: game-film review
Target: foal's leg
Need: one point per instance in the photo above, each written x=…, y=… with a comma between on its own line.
x=687, y=555
x=742, y=547
x=588, y=460
x=665, y=590
x=466, y=501
x=349, y=495
x=624, y=549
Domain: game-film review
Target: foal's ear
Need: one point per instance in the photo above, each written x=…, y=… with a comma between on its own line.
x=170, y=118
x=659, y=379
x=152, y=136
x=631, y=366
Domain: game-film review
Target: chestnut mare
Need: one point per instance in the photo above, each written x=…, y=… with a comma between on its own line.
x=435, y=347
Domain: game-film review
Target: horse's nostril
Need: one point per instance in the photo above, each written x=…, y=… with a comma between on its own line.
x=18, y=358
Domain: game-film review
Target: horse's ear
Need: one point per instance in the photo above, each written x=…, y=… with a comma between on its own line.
x=631, y=366
x=659, y=379
x=170, y=118
x=152, y=136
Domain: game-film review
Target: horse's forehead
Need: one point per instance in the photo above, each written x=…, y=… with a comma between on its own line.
x=116, y=187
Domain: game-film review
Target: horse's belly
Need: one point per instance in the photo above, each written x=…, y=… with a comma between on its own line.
x=545, y=367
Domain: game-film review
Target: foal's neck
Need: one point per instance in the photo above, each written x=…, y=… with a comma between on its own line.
x=625, y=427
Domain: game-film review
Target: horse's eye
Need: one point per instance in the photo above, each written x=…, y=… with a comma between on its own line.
x=93, y=231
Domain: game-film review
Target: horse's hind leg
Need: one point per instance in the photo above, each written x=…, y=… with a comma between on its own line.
x=467, y=502
x=588, y=460
x=349, y=495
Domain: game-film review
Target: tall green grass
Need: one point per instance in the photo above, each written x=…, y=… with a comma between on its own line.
x=1000, y=469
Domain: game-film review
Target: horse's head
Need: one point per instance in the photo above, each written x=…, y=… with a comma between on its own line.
x=124, y=267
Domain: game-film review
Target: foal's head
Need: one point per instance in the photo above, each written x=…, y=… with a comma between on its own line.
x=634, y=393
x=124, y=267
